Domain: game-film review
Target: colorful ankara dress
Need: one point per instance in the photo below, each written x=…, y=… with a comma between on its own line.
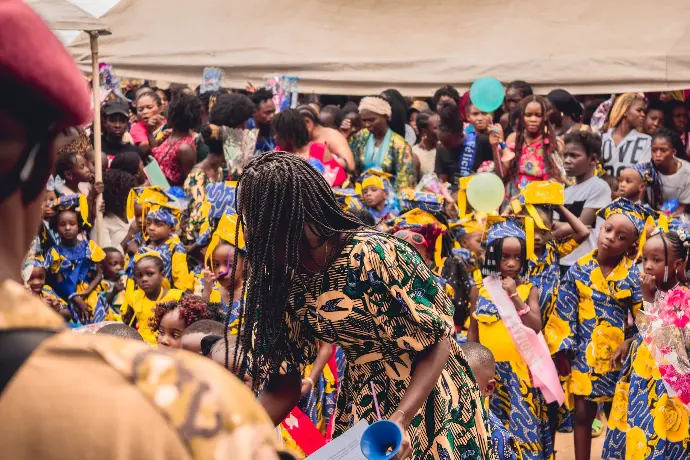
x=381, y=304
x=393, y=156
x=504, y=446
x=591, y=316
x=143, y=309
x=195, y=191
x=175, y=266
x=517, y=403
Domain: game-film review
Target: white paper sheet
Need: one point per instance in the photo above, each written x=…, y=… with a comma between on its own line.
x=344, y=447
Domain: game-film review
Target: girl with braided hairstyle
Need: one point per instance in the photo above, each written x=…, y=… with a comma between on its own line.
x=318, y=274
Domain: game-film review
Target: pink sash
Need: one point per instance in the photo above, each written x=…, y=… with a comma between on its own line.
x=531, y=346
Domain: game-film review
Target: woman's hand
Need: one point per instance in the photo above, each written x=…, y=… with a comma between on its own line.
x=154, y=122
x=346, y=128
x=649, y=287
x=620, y=354
x=306, y=387
x=406, y=446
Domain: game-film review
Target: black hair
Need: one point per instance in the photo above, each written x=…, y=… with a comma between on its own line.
x=289, y=125
x=111, y=250
x=120, y=330
x=423, y=121
x=655, y=193
x=184, y=113
x=128, y=161
x=477, y=353
x=151, y=93
x=589, y=108
x=65, y=162
x=337, y=114
x=446, y=90
x=308, y=111
x=205, y=326
x=547, y=133
x=350, y=107
x=231, y=110
x=207, y=342
x=677, y=246
x=589, y=141
x=216, y=312
x=673, y=138
x=364, y=215
x=206, y=98
x=450, y=117
x=116, y=187
x=564, y=102
x=458, y=277
x=398, y=111
x=279, y=193
x=492, y=257
x=157, y=260
x=524, y=88
x=261, y=95
x=657, y=104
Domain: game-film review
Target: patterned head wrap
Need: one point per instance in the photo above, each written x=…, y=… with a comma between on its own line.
x=77, y=203
x=226, y=231
x=40, y=262
x=165, y=213
x=138, y=195
x=536, y=193
x=377, y=105
x=621, y=106
x=425, y=225
x=412, y=199
x=219, y=200
x=638, y=215
x=647, y=172
x=348, y=198
x=521, y=227
x=374, y=177
x=469, y=224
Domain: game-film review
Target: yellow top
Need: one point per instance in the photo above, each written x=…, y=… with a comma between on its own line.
x=143, y=310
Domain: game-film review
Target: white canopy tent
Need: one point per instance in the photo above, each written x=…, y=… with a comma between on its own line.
x=364, y=46
x=63, y=15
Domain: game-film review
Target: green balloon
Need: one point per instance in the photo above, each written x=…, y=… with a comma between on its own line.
x=485, y=192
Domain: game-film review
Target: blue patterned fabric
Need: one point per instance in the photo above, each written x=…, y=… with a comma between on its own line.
x=503, y=443
x=591, y=316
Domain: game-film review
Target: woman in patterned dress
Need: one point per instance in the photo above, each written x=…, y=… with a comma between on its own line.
x=318, y=275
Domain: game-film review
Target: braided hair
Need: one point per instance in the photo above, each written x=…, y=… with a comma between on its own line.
x=492, y=258
x=548, y=134
x=289, y=126
x=679, y=246
x=278, y=194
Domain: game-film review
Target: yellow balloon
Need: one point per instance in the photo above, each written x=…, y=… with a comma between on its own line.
x=485, y=192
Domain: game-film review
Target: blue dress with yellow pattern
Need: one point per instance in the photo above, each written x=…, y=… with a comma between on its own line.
x=381, y=304
x=175, y=266
x=591, y=317
x=519, y=405
x=504, y=446
x=645, y=422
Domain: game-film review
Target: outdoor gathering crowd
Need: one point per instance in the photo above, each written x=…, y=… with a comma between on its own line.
x=331, y=257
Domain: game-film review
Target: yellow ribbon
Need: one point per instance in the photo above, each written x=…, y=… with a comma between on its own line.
x=463, y=182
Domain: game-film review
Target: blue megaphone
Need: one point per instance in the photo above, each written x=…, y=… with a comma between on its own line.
x=381, y=440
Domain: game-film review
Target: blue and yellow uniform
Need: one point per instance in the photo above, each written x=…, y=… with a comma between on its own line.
x=381, y=180
x=516, y=402
x=592, y=312
x=504, y=446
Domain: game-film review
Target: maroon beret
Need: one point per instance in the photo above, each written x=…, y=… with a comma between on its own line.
x=33, y=57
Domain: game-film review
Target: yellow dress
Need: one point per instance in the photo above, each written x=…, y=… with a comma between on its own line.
x=143, y=310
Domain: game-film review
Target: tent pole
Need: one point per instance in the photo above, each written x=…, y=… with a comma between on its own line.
x=95, y=83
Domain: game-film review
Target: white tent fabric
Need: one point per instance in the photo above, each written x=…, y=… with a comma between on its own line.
x=63, y=15
x=364, y=46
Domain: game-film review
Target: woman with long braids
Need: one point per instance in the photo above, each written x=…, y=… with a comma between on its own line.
x=318, y=274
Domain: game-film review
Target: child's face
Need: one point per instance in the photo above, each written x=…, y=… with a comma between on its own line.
x=114, y=262
x=137, y=217
x=480, y=120
x=511, y=258
x=635, y=115
x=45, y=209
x=148, y=276
x=663, y=153
x=472, y=242
x=533, y=118
x=616, y=237
x=67, y=225
x=654, y=259
x=158, y=231
x=575, y=160
x=653, y=121
x=373, y=196
x=170, y=329
x=192, y=342
x=630, y=185
x=80, y=171
x=223, y=257
x=541, y=237
x=680, y=118
x=37, y=280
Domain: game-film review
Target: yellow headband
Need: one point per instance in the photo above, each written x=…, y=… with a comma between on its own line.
x=226, y=231
x=463, y=182
x=536, y=193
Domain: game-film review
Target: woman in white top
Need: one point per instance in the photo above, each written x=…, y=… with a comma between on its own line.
x=624, y=144
x=116, y=187
x=673, y=173
x=425, y=151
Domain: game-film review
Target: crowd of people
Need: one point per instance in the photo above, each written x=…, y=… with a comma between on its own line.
x=328, y=257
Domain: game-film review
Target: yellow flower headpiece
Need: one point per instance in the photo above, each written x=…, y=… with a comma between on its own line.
x=536, y=193
x=227, y=231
